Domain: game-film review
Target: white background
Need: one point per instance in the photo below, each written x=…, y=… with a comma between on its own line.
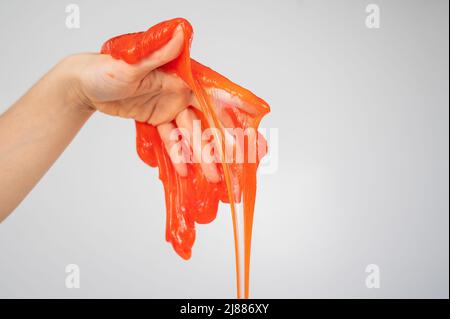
x=363, y=155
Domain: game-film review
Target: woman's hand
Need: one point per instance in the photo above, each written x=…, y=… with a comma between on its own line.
x=36, y=129
x=141, y=92
x=138, y=91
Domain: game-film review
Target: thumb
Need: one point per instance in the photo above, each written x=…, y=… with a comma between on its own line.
x=164, y=55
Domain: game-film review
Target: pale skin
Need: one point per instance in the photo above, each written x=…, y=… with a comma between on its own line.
x=36, y=129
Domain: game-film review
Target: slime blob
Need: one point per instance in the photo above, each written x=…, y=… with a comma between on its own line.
x=224, y=107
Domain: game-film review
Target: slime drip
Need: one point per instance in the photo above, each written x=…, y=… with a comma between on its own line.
x=224, y=105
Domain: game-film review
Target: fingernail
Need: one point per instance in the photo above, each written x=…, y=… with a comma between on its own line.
x=179, y=28
x=211, y=173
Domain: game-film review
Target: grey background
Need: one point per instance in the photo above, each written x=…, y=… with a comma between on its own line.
x=363, y=155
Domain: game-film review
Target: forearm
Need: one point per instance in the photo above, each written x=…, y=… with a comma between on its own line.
x=36, y=130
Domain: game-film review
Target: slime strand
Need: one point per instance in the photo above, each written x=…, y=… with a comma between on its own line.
x=223, y=105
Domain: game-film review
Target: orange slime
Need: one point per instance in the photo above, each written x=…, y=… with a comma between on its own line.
x=224, y=105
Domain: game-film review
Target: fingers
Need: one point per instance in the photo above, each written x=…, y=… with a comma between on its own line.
x=174, y=148
x=194, y=102
x=167, y=107
x=223, y=97
x=162, y=56
x=186, y=119
x=157, y=100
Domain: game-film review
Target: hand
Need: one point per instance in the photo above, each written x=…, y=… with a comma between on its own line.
x=37, y=128
x=141, y=92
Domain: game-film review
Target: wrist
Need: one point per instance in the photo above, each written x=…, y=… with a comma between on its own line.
x=68, y=72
